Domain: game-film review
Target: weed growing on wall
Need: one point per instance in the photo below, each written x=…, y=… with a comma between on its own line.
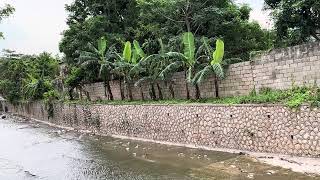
x=292, y=98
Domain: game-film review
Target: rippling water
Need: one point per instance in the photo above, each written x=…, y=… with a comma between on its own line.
x=35, y=151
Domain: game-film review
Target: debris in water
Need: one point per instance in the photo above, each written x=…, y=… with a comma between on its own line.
x=290, y=161
x=250, y=176
x=30, y=174
x=127, y=149
x=270, y=172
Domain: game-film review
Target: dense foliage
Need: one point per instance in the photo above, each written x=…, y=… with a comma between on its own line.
x=24, y=77
x=296, y=21
x=147, y=21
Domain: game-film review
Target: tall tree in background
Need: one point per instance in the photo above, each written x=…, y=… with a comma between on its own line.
x=210, y=18
x=296, y=21
x=5, y=12
x=89, y=20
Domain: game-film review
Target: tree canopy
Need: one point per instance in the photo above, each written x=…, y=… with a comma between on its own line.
x=5, y=12
x=296, y=21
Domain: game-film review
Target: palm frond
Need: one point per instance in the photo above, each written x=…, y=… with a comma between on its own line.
x=127, y=52
x=91, y=48
x=170, y=69
x=136, y=69
x=176, y=55
x=218, y=53
x=83, y=59
x=89, y=63
x=189, y=47
x=202, y=75
x=102, y=46
x=104, y=70
x=138, y=49
x=218, y=70
x=142, y=80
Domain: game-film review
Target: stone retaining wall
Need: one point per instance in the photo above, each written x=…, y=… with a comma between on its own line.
x=278, y=69
x=259, y=128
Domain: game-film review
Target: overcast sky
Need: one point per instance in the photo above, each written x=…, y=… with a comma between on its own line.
x=36, y=26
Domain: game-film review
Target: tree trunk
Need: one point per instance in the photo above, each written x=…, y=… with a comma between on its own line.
x=141, y=92
x=109, y=90
x=153, y=92
x=198, y=94
x=187, y=85
x=171, y=90
x=216, y=86
x=70, y=94
x=129, y=90
x=160, y=91
x=121, y=89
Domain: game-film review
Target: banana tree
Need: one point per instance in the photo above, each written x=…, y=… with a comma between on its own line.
x=99, y=56
x=151, y=67
x=186, y=60
x=215, y=67
x=125, y=65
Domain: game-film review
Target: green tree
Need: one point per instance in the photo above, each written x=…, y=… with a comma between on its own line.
x=5, y=12
x=216, y=65
x=186, y=61
x=151, y=67
x=89, y=20
x=126, y=63
x=100, y=56
x=27, y=77
x=211, y=18
x=296, y=21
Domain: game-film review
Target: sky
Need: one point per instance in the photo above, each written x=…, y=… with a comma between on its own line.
x=36, y=25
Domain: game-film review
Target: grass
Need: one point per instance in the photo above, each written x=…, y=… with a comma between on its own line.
x=292, y=98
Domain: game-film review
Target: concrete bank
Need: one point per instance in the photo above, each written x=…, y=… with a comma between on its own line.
x=254, y=128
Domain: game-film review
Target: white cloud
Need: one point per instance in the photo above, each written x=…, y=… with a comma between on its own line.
x=36, y=26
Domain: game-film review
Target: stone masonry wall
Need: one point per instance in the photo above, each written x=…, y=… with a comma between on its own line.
x=259, y=128
x=278, y=69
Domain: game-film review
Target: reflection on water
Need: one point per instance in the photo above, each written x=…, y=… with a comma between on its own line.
x=34, y=151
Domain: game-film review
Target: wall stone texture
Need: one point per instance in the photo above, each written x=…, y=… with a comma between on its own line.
x=278, y=69
x=257, y=128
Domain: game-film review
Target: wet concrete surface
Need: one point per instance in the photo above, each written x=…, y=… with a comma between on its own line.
x=29, y=150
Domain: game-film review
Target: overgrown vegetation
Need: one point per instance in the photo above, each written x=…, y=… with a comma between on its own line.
x=25, y=77
x=292, y=98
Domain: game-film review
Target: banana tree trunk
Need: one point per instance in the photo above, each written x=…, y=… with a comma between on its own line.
x=152, y=92
x=187, y=84
x=121, y=89
x=141, y=92
x=160, y=91
x=171, y=90
x=109, y=90
x=105, y=88
x=129, y=90
x=70, y=92
x=216, y=87
x=198, y=94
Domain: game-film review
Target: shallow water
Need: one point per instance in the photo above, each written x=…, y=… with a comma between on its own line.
x=34, y=151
